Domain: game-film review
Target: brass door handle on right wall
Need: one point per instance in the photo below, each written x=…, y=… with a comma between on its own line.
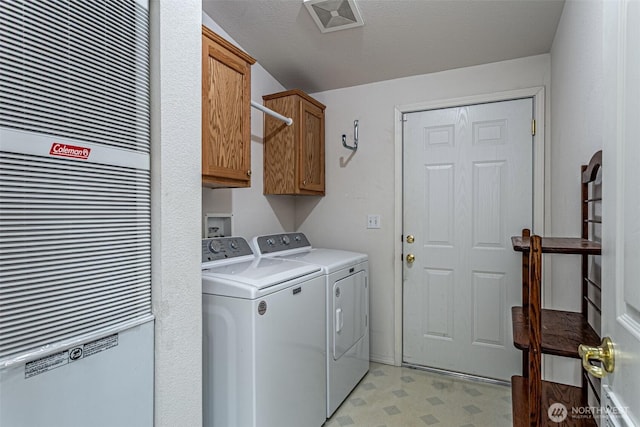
x=604, y=353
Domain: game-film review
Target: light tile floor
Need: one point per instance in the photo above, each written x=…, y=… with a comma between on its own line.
x=390, y=396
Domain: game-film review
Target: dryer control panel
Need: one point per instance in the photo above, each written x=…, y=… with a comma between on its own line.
x=281, y=242
x=223, y=248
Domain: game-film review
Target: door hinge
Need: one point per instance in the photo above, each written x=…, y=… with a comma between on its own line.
x=533, y=127
x=404, y=117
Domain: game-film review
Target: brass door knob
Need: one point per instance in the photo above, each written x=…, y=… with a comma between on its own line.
x=410, y=238
x=603, y=353
x=410, y=258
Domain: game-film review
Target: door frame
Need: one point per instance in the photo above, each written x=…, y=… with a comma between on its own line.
x=540, y=177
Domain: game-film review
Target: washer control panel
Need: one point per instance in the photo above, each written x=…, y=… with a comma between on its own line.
x=224, y=247
x=281, y=242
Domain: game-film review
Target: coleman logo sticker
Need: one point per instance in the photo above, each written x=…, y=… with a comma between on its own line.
x=65, y=150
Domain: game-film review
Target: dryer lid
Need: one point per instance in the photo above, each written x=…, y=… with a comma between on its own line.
x=330, y=260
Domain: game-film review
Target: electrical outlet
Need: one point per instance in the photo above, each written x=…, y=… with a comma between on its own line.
x=373, y=221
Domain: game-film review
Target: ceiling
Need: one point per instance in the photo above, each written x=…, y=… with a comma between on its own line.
x=399, y=38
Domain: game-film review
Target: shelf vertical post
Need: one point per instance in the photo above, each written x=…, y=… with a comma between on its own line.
x=535, y=327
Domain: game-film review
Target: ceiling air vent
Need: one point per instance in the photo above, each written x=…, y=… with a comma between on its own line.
x=333, y=15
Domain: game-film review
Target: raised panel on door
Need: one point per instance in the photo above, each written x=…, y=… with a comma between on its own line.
x=489, y=207
x=468, y=174
x=311, y=167
x=437, y=294
x=438, y=207
x=226, y=147
x=489, y=302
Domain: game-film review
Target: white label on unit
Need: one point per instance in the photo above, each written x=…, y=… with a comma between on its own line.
x=46, y=364
x=62, y=358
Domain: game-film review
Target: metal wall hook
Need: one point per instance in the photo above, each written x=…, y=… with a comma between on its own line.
x=355, y=138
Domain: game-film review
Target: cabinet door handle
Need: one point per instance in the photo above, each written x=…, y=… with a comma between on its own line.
x=304, y=182
x=249, y=172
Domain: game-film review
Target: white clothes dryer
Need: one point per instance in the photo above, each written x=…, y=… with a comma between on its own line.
x=347, y=303
x=263, y=338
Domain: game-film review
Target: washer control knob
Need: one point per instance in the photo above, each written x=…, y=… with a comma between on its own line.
x=271, y=242
x=214, y=246
x=297, y=238
x=233, y=244
x=286, y=240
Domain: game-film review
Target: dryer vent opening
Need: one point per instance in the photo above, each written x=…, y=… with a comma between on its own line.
x=333, y=15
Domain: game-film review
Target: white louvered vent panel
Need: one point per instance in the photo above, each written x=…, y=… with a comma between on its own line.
x=75, y=248
x=76, y=69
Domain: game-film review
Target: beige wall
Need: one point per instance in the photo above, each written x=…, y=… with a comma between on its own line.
x=577, y=130
x=364, y=182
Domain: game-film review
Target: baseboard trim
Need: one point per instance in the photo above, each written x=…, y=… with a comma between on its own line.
x=382, y=359
x=459, y=375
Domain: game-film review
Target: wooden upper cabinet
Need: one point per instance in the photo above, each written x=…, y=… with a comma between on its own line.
x=226, y=113
x=294, y=155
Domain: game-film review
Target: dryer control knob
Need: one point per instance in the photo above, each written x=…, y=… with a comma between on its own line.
x=214, y=246
x=286, y=240
x=271, y=242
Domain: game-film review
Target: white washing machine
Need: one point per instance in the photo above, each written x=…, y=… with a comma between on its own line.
x=347, y=301
x=263, y=339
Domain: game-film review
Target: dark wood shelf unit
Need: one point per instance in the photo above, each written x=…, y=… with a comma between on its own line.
x=551, y=393
x=559, y=245
x=562, y=332
x=538, y=331
x=593, y=283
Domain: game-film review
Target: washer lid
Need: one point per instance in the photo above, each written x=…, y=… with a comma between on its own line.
x=246, y=279
x=330, y=260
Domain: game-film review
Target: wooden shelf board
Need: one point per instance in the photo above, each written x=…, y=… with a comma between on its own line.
x=559, y=245
x=552, y=393
x=562, y=332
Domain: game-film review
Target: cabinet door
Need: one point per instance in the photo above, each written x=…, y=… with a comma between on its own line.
x=280, y=152
x=311, y=160
x=226, y=137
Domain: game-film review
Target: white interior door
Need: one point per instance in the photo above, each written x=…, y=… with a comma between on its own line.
x=468, y=183
x=621, y=212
